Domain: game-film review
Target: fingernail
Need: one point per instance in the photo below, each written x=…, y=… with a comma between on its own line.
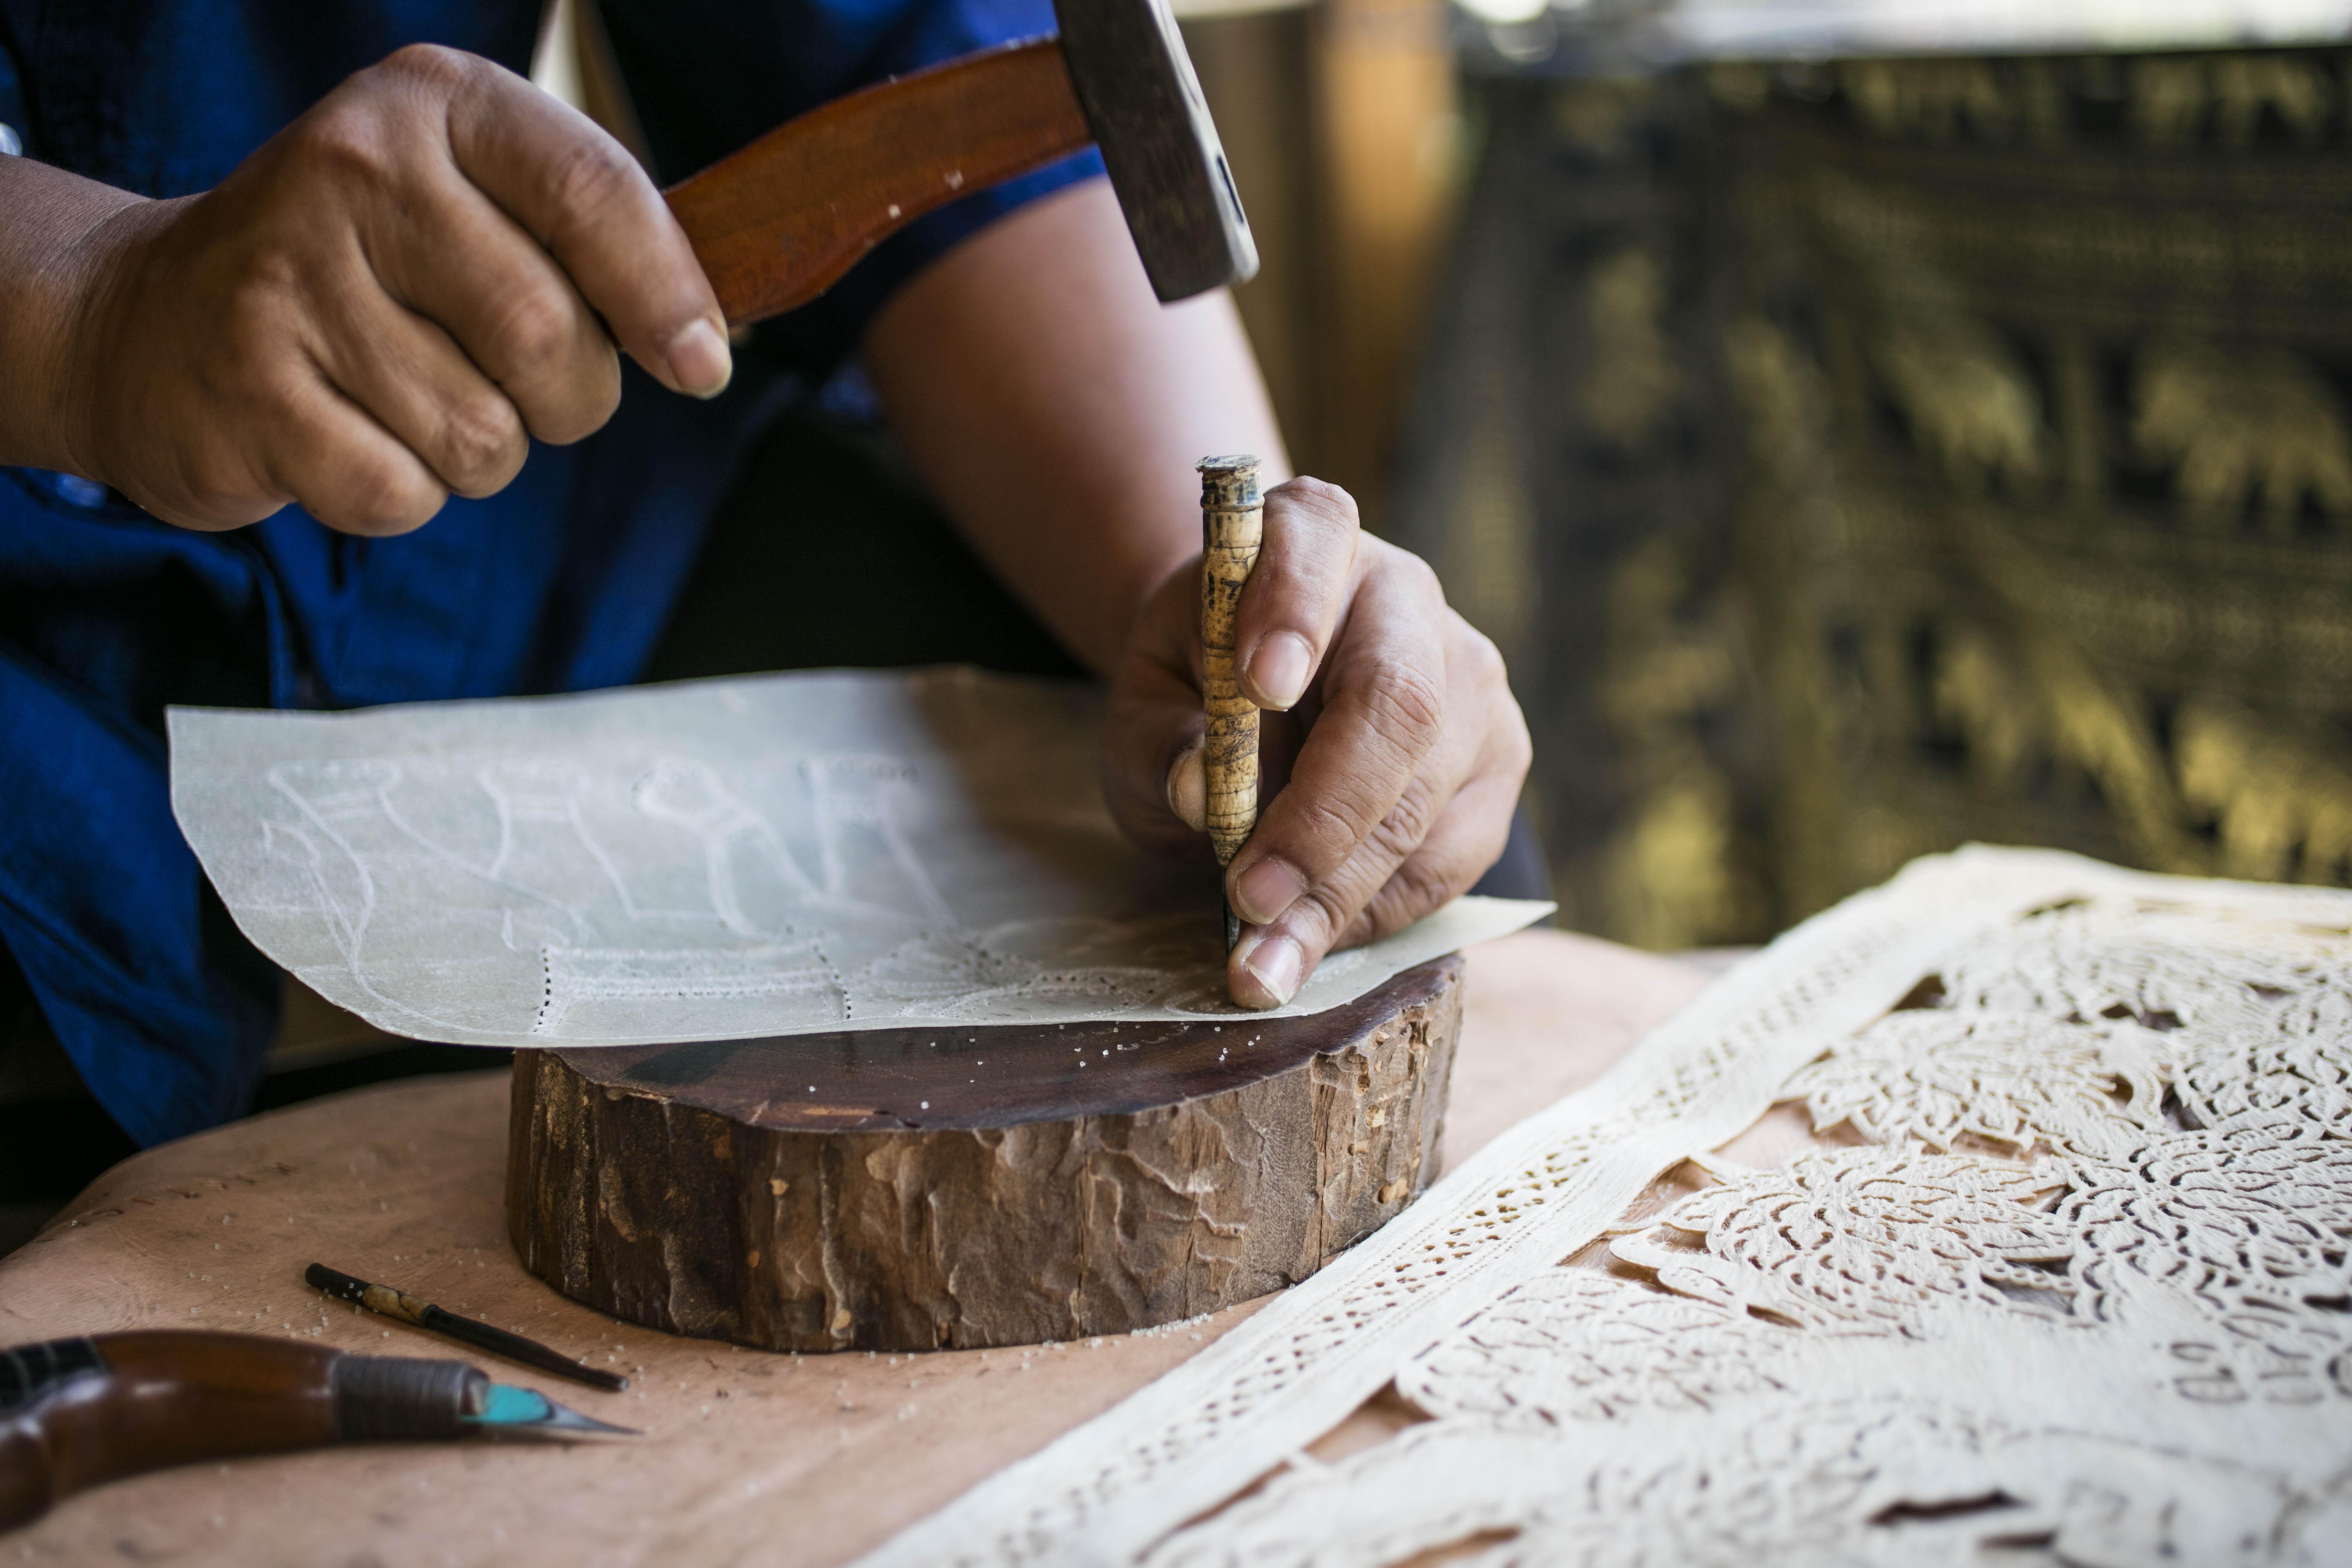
x=1265, y=889
x=1279, y=669
x=1187, y=789
x=699, y=359
x=1274, y=964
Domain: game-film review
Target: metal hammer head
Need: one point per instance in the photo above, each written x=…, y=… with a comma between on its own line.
x=1135, y=83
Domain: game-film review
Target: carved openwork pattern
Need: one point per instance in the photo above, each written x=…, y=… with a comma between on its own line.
x=2069, y=1281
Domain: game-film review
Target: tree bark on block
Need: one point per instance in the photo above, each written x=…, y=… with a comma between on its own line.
x=914, y=1189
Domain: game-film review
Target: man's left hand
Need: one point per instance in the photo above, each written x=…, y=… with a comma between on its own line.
x=1389, y=761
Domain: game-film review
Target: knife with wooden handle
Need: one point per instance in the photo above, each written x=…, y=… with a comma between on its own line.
x=75, y=1414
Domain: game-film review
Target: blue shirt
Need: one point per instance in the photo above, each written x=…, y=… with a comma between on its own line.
x=560, y=581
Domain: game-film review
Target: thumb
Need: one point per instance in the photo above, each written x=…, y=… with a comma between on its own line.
x=1188, y=787
x=1153, y=778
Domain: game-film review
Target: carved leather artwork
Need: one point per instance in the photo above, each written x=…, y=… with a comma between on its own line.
x=2060, y=1276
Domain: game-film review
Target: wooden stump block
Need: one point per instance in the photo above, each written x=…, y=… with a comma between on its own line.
x=910, y=1189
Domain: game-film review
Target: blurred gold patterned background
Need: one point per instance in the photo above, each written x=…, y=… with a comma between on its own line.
x=1858, y=459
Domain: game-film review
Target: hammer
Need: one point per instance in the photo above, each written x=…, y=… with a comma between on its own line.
x=778, y=222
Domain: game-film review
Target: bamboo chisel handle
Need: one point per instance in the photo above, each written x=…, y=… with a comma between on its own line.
x=778, y=223
x=1232, y=520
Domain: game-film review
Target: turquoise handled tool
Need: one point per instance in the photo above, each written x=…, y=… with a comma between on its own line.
x=75, y=1414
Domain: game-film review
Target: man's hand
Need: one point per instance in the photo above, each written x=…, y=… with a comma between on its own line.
x=1391, y=763
x=370, y=314
x=1058, y=410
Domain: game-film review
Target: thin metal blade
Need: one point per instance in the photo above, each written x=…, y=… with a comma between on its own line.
x=525, y=1415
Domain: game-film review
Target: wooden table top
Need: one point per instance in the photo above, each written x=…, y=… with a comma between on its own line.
x=750, y=1457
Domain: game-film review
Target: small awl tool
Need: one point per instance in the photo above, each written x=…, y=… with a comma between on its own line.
x=75, y=1414
x=416, y=1310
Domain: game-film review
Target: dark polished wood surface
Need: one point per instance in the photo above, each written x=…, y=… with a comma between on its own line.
x=906, y=1190
x=876, y=1080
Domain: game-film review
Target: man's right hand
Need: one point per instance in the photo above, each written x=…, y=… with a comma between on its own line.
x=370, y=313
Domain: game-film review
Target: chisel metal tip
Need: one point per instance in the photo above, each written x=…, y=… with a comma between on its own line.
x=529, y=1414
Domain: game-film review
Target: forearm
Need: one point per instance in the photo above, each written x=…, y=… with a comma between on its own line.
x=45, y=263
x=1056, y=408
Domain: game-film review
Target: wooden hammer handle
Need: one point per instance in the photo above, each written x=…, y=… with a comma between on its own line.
x=778, y=223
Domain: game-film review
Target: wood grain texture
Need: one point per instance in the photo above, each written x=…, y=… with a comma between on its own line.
x=814, y=1459
x=1233, y=524
x=905, y=1190
x=778, y=222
